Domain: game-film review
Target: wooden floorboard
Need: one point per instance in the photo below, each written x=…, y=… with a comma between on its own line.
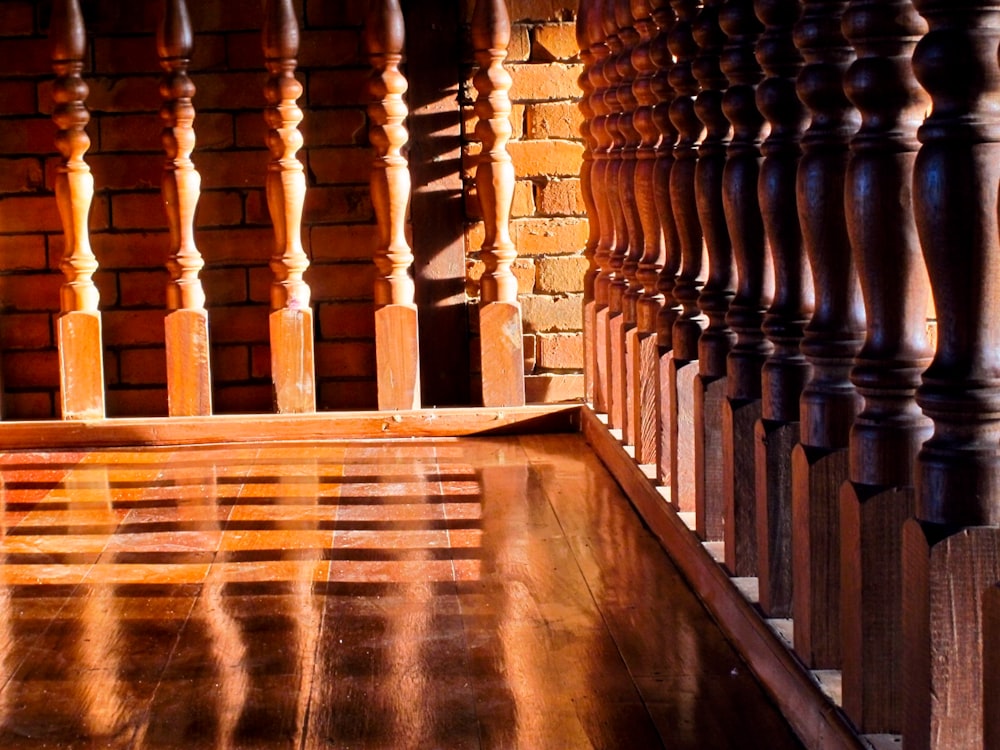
x=493, y=592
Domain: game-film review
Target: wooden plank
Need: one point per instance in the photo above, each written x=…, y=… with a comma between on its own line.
x=189, y=378
x=81, y=365
x=502, y=347
x=709, y=497
x=292, y=366
x=397, y=355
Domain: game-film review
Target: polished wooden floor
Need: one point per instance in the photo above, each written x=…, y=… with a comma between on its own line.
x=474, y=593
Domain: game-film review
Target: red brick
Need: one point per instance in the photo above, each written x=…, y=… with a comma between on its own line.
x=519, y=47
x=29, y=405
x=348, y=394
x=127, y=172
x=561, y=198
x=228, y=16
x=552, y=388
x=239, y=324
x=342, y=242
x=560, y=351
x=335, y=127
x=217, y=208
x=133, y=327
x=348, y=281
x=143, y=366
x=522, y=205
x=236, y=245
x=257, y=211
x=138, y=211
x=542, y=313
x=230, y=364
x=25, y=331
x=251, y=130
x=542, y=10
x=354, y=359
x=260, y=362
x=114, y=17
x=243, y=399
x=543, y=82
x=106, y=282
x=21, y=175
x=229, y=91
x=143, y=288
x=341, y=165
x=123, y=55
x=17, y=17
x=327, y=49
x=561, y=274
x=340, y=88
x=553, y=120
x=338, y=204
x=346, y=320
x=119, y=94
x=323, y=13
x=29, y=214
x=124, y=249
x=31, y=369
x=25, y=57
x=129, y=132
x=25, y=252
x=136, y=402
x=260, y=280
x=18, y=97
x=550, y=236
x=551, y=158
x=30, y=136
x=555, y=41
x=229, y=169
x=224, y=286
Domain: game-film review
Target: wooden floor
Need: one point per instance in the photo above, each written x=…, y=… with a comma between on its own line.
x=473, y=593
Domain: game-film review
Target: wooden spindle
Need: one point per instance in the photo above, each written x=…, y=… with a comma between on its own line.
x=600, y=180
x=397, y=350
x=785, y=371
x=499, y=312
x=81, y=352
x=742, y=406
x=709, y=384
x=189, y=378
x=590, y=145
x=663, y=15
x=689, y=324
x=615, y=178
x=888, y=432
x=832, y=339
x=291, y=320
x=627, y=338
x=951, y=552
x=644, y=362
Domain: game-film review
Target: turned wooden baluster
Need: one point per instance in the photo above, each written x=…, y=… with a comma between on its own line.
x=189, y=378
x=689, y=324
x=291, y=320
x=626, y=338
x=742, y=405
x=590, y=145
x=615, y=179
x=785, y=371
x=81, y=353
x=397, y=350
x=664, y=17
x=499, y=312
x=832, y=339
x=644, y=363
x=951, y=552
x=600, y=180
x=889, y=430
x=709, y=384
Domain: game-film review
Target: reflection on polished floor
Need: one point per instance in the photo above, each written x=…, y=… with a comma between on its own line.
x=474, y=593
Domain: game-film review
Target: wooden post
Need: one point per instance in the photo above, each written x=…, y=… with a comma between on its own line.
x=832, y=339
x=665, y=18
x=688, y=326
x=81, y=352
x=785, y=370
x=709, y=384
x=889, y=430
x=951, y=551
x=397, y=349
x=618, y=285
x=742, y=405
x=189, y=377
x=991, y=667
x=291, y=320
x=590, y=145
x=644, y=363
x=600, y=180
x=500, y=332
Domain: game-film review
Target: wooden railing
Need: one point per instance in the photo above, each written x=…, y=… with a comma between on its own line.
x=824, y=166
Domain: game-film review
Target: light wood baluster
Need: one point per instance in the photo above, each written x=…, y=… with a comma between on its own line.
x=785, y=371
x=709, y=384
x=691, y=321
x=585, y=81
x=664, y=16
x=500, y=332
x=397, y=350
x=644, y=355
x=889, y=430
x=291, y=320
x=81, y=352
x=189, y=380
x=951, y=551
x=832, y=340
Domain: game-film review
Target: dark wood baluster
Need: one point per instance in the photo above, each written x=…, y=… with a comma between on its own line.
x=709, y=384
x=991, y=667
x=625, y=338
x=644, y=362
x=501, y=340
x=397, y=350
x=291, y=320
x=689, y=324
x=590, y=145
x=615, y=180
x=951, y=552
x=832, y=339
x=189, y=379
x=742, y=406
x=889, y=430
x=785, y=371
x=600, y=183
x=81, y=352
x=664, y=17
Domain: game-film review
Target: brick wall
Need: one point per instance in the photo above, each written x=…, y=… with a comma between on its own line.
x=234, y=233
